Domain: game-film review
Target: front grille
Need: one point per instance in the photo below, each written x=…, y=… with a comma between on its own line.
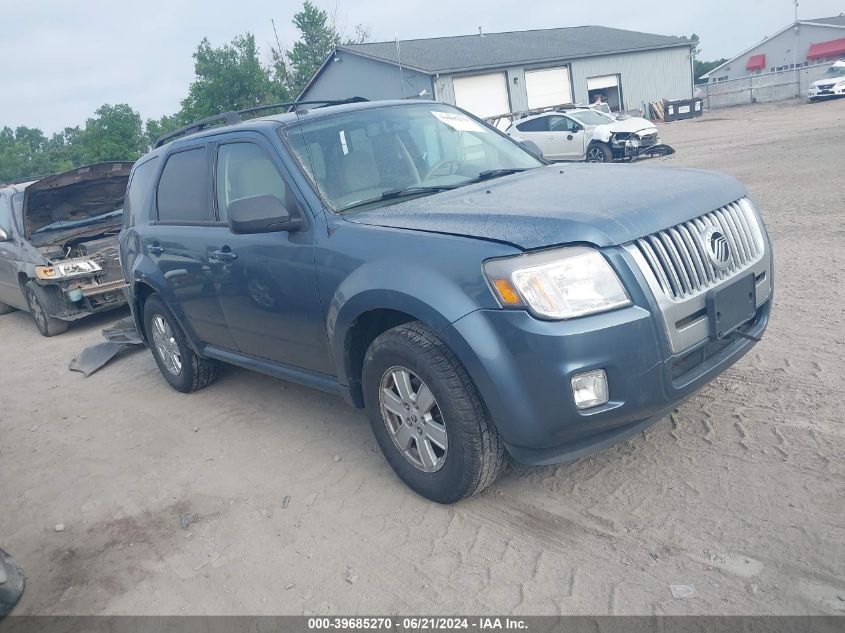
x=678, y=256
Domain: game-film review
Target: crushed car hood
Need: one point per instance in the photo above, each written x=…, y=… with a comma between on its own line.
x=75, y=196
x=602, y=205
x=631, y=125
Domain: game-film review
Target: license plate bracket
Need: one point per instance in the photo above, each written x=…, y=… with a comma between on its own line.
x=731, y=306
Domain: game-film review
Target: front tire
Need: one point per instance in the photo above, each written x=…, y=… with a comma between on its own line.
x=428, y=417
x=599, y=153
x=44, y=301
x=177, y=361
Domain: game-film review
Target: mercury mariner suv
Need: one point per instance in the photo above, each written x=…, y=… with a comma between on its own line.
x=476, y=301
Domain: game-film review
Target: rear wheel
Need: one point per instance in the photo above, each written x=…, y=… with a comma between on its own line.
x=428, y=417
x=44, y=301
x=599, y=153
x=178, y=363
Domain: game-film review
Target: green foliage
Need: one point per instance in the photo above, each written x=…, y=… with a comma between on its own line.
x=317, y=39
x=229, y=77
x=701, y=68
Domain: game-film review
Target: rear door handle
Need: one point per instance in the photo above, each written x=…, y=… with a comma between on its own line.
x=155, y=249
x=224, y=255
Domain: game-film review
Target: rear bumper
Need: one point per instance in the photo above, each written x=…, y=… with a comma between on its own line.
x=522, y=367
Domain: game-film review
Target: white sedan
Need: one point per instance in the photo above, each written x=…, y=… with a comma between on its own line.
x=587, y=134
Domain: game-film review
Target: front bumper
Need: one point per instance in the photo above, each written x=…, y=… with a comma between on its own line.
x=84, y=297
x=834, y=91
x=522, y=367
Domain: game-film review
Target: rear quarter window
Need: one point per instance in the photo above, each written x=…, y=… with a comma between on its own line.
x=137, y=194
x=184, y=188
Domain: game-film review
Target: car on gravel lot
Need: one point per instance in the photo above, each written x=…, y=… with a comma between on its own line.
x=58, y=245
x=586, y=134
x=475, y=300
x=832, y=83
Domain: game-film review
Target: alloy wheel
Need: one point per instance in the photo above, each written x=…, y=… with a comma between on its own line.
x=595, y=155
x=165, y=344
x=413, y=419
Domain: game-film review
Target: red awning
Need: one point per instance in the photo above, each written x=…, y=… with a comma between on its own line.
x=756, y=62
x=827, y=49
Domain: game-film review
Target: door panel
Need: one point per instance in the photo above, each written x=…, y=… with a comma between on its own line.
x=268, y=282
x=10, y=252
x=565, y=142
x=180, y=240
x=182, y=256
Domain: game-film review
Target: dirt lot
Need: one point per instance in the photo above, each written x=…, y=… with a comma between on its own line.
x=740, y=493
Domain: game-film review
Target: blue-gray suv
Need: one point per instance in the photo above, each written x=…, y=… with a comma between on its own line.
x=475, y=300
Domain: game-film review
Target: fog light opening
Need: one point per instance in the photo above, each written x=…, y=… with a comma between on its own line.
x=589, y=388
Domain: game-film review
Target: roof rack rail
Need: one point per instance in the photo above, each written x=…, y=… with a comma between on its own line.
x=236, y=116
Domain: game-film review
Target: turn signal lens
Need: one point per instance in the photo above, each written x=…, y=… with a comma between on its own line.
x=507, y=293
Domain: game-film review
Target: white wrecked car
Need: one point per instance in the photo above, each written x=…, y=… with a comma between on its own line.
x=587, y=134
x=832, y=83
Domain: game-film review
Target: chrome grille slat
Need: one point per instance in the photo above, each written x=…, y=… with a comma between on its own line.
x=678, y=257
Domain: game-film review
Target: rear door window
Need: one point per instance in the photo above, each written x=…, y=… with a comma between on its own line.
x=5, y=213
x=540, y=124
x=183, y=190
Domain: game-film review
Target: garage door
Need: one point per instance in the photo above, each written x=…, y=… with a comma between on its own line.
x=548, y=87
x=605, y=81
x=483, y=95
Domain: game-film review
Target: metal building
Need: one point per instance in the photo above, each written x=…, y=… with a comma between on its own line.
x=495, y=73
x=802, y=44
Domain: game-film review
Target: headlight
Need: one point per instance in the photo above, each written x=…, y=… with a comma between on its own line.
x=557, y=284
x=68, y=269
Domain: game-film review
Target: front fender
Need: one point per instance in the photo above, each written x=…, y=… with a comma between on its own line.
x=421, y=292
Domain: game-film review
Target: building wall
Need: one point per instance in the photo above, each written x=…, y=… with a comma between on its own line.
x=356, y=76
x=778, y=51
x=645, y=76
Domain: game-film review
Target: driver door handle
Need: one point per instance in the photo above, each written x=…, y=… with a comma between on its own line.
x=155, y=249
x=224, y=255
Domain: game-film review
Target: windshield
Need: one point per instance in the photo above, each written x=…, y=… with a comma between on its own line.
x=591, y=117
x=835, y=71
x=382, y=154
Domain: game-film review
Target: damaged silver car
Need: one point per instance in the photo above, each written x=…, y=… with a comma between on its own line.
x=58, y=245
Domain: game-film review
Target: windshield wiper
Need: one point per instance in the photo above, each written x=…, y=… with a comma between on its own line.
x=495, y=173
x=391, y=194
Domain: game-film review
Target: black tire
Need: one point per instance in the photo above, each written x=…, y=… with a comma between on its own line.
x=193, y=372
x=598, y=152
x=5, y=309
x=476, y=453
x=44, y=301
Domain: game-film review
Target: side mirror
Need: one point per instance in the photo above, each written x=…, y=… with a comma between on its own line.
x=576, y=127
x=261, y=214
x=4, y=236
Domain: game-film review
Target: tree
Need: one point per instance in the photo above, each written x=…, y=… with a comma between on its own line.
x=317, y=39
x=114, y=133
x=229, y=77
x=700, y=68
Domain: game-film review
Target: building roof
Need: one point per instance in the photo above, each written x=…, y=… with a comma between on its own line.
x=491, y=50
x=837, y=21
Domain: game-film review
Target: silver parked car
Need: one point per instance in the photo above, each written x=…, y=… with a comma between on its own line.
x=588, y=134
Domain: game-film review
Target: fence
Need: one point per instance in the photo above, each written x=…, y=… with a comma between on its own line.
x=761, y=88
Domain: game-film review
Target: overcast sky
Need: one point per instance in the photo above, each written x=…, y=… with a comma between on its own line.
x=61, y=60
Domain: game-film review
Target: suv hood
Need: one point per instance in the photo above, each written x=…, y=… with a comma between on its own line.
x=631, y=125
x=602, y=205
x=74, y=197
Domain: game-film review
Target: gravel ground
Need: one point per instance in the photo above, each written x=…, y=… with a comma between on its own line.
x=741, y=492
